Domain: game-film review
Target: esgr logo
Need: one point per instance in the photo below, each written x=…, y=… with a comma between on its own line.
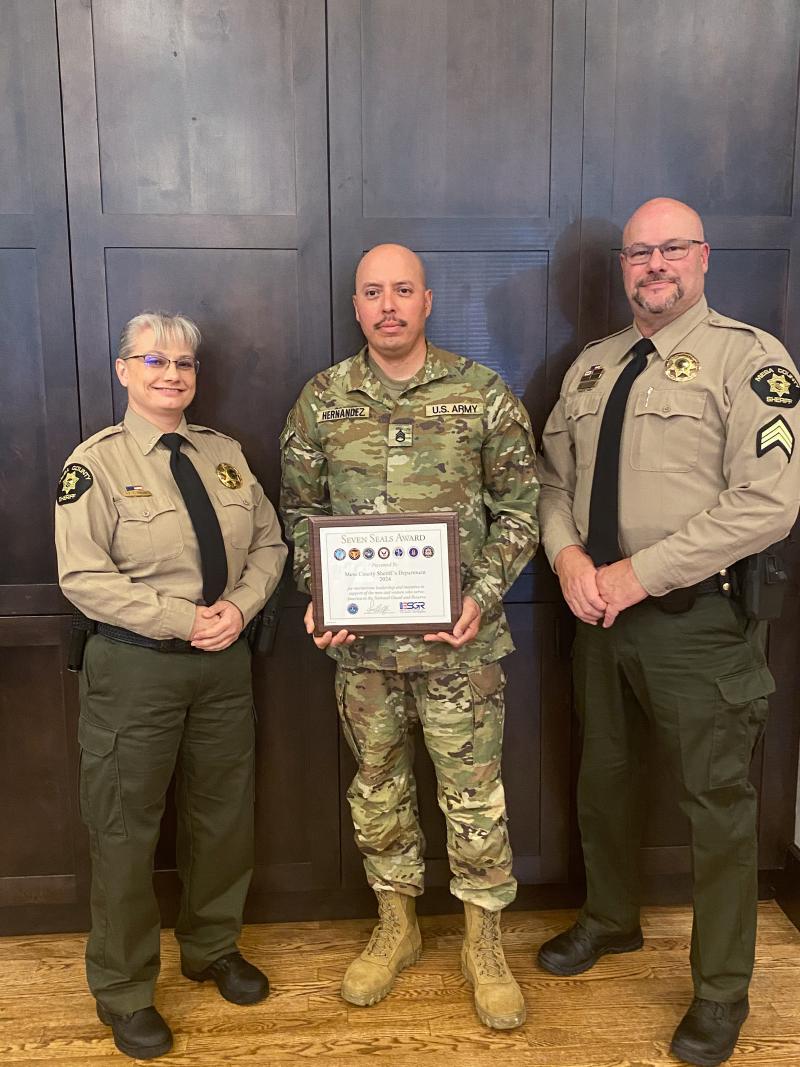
x=352, y=609
x=412, y=605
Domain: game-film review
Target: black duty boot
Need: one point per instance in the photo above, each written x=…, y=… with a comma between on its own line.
x=576, y=950
x=237, y=980
x=142, y=1034
x=708, y=1032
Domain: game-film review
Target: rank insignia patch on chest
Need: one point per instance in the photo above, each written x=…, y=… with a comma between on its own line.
x=776, y=386
x=681, y=367
x=401, y=436
x=73, y=483
x=775, y=434
x=590, y=378
x=229, y=476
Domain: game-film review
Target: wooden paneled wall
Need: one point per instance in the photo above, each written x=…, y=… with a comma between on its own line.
x=232, y=159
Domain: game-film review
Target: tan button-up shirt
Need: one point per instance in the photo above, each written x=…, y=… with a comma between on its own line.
x=127, y=551
x=708, y=473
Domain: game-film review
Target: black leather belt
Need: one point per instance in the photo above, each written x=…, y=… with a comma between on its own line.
x=128, y=637
x=679, y=600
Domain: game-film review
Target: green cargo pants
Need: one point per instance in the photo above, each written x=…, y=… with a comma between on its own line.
x=697, y=683
x=462, y=715
x=145, y=714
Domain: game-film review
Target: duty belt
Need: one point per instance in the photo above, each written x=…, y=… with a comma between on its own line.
x=679, y=600
x=128, y=637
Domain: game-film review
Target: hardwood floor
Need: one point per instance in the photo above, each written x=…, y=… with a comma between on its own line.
x=620, y=1014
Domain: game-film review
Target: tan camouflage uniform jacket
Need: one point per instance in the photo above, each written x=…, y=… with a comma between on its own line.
x=456, y=440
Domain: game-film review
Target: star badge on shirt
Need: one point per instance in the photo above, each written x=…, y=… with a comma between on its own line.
x=229, y=476
x=681, y=367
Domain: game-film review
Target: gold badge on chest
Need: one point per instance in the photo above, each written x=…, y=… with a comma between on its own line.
x=229, y=476
x=681, y=367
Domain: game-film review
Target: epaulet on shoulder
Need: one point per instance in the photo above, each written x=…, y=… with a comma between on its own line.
x=207, y=429
x=715, y=319
x=769, y=342
x=608, y=336
x=102, y=435
x=465, y=365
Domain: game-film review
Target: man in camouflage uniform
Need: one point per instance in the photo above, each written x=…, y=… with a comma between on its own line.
x=404, y=426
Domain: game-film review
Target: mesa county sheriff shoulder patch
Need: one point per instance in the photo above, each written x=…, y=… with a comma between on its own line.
x=776, y=386
x=775, y=434
x=73, y=483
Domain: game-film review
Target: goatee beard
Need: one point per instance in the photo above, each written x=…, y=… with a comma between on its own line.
x=666, y=305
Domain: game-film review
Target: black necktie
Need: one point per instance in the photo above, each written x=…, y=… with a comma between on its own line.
x=602, y=542
x=213, y=562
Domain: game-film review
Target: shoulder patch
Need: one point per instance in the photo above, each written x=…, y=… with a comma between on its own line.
x=73, y=483
x=775, y=434
x=776, y=386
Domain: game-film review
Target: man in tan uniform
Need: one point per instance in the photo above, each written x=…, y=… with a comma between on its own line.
x=166, y=540
x=668, y=458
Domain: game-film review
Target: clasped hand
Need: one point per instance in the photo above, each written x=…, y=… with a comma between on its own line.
x=595, y=593
x=216, y=626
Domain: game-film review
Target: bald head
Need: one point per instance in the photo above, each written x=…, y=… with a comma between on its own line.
x=662, y=214
x=396, y=259
x=661, y=289
x=392, y=303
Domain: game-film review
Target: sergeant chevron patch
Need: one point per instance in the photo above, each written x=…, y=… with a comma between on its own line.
x=775, y=434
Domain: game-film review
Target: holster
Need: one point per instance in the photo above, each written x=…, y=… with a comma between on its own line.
x=762, y=582
x=260, y=631
x=82, y=628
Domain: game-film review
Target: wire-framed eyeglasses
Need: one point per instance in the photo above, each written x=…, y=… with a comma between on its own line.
x=155, y=361
x=676, y=248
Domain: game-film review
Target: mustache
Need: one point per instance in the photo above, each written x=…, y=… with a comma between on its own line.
x=655, y=276
x=392, y=320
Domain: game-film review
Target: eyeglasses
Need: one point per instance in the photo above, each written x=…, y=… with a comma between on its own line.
x=677, y=248
x=155, y=361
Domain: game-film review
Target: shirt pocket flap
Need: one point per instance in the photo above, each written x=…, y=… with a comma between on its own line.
x=142, y=508
x=669, y=402
x=226, y=499
x=98, y=740
x=576, y=407
x=746, y=686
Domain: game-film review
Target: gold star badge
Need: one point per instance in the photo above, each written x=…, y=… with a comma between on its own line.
x=229, y=476
x=682, y=367
x=779, y=384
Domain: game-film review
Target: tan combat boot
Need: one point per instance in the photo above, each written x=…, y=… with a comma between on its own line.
x=498, y=998
x=396, y=943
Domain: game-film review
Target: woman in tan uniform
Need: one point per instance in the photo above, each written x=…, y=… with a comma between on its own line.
x=167, y=543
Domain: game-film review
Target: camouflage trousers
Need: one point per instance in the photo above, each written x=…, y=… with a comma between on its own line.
x=462, y=714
